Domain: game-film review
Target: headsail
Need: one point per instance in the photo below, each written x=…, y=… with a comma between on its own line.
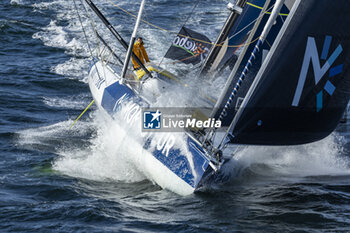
x=302, y=89
x=252, y=9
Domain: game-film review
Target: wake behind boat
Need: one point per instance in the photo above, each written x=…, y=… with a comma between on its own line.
x=272, y=96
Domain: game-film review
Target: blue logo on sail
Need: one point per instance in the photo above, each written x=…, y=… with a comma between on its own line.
x=152, y=120
x=311, y=56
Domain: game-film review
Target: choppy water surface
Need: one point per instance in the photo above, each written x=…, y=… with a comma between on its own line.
x=85, y=179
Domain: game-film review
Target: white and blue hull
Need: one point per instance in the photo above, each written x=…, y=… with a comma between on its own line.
x=186, y=165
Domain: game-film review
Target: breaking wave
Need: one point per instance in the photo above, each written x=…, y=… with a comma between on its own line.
x=323, y=158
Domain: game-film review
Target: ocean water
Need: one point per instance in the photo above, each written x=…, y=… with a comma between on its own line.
x=84, y=179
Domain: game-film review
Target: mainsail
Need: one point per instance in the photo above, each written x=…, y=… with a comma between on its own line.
x=301, y=91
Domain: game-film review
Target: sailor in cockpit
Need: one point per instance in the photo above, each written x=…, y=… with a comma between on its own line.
x=149, y=87
x=140, y=51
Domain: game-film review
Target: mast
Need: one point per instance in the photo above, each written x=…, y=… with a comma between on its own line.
x=229, y=83
x=132, y=40
x=236, y=10
x=277, y=8
x=115, y=33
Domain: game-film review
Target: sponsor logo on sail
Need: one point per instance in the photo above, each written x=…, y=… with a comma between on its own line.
x=312, y=56
x=192, y=47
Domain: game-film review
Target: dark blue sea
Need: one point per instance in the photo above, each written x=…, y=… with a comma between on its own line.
x=56, y=179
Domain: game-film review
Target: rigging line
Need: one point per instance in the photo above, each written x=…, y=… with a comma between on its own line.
x=93, y=27
x=95, y=31
x=109, y=48
x=184, y=59
x=127, y=12
x=267, y=28
x=233, y=46
x=282, y=19
x=165, y=30
x=86, y=38
x=87, y=41
x=188, y=18
x=82, y=114
x=82, y=26
x=230, y=80
x=268, y=43
x=259, y=7
x=190, y=15
x=260, y=16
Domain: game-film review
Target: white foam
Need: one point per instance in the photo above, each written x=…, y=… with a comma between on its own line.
x=69, y=37
x=107, y=157
x=56, y=36
x=316, y=159
x=46, y=134
x=74, y=68
x=116, y=153
x=46, y=5
x=16, y=2
x=73, y=102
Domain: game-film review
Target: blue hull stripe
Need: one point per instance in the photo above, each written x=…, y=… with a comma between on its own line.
x=190, y=167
